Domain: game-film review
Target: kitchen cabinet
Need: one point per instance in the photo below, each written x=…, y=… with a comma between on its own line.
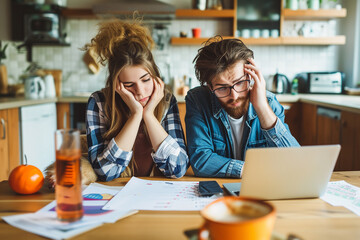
x=9, y=141
x=308, y=122
x=38, y=125
x=340, y=127
x=71, y=115
x=328, y=126
x=349, y=158
x=63, y=115
x=292, y=114
x=321, y=126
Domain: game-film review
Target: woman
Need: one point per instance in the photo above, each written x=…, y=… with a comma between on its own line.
x=133, y=124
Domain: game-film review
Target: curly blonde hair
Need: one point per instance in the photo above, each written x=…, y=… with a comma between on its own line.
x=120, y=44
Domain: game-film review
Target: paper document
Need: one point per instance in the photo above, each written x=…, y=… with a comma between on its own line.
x=139, y=194
x=45, y=223
x=341, y=193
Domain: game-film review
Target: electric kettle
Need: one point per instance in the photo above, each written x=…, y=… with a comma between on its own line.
x=280, y=84
x=49, y=86
x=34, y=87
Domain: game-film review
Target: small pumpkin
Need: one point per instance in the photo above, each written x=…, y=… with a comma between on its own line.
x=26, y=179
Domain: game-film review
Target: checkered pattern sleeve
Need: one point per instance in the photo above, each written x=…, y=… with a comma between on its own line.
x=171, y=157
x=107, y=159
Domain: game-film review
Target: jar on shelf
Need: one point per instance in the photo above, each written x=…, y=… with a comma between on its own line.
x=314, y=4
x=292, y=4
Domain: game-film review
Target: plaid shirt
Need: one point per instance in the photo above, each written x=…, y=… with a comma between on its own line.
x=109, y=161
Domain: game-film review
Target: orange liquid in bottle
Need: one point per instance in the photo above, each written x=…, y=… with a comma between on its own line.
x=68, y=186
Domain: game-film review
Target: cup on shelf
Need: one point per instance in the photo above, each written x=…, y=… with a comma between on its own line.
x=199, y=4
x=245, y=33
x=196, y=32
x=255, y=33
x=274, y=16
x=303, y=4
x=292, y=4
x=314, y=4
x=274, y=33
x=265, y=33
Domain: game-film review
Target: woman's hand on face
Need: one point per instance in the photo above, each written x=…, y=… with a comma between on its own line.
x=128, y=98
x=258, y=90
x=156, y=96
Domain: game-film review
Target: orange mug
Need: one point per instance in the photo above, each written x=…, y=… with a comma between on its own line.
x=237, y=218
x=196, y=32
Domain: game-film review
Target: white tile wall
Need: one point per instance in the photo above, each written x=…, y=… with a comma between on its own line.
x=288, y=60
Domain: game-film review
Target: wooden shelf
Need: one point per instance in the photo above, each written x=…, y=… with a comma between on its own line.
x=261, y=41
x=195, y=13
x=336, y=40
x=78, y=13
x=248, y=41
x=191, y=41
x=314, y=14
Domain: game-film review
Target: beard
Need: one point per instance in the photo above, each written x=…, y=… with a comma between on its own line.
x=237, y=112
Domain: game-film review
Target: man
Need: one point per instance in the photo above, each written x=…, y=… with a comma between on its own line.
x=231, y=111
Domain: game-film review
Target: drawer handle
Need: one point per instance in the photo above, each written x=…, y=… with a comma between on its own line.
x=4, y=128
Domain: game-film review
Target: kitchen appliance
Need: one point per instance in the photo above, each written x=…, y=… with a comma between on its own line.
x=57, y=74
x=49, y=86
x=321, y=82
x=280, y=84
x=34, y=87
x=37, y=23
x=42, y=27
x=37, y=128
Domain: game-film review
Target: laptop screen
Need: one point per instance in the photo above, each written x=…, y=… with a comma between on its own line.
x=286, y=173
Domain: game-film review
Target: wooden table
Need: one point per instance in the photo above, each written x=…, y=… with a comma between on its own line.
x=306, y=218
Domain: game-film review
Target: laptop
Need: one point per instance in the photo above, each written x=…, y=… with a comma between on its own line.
x=286, y=173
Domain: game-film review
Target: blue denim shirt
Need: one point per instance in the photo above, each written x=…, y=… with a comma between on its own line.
x=208, y=133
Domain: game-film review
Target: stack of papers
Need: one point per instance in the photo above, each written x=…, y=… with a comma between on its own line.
x=139, y=194
x=341, y=193
x=45, y=223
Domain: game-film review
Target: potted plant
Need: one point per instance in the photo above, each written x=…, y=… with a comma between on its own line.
x=3, y=72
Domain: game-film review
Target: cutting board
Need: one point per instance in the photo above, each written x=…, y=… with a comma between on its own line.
x=3, y=80
x=57, y=74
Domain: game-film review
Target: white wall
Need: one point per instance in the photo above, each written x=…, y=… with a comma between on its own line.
x=349, y=54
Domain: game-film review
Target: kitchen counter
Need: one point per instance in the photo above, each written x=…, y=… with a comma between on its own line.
x=340, y=102
x=15, y=102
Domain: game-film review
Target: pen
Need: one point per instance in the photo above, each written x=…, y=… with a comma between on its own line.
x=168, y=182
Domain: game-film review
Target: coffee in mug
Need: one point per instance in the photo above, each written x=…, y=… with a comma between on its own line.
x=238, y=218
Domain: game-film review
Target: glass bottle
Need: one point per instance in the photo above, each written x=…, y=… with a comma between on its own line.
x=294, y=86
x=68, y=192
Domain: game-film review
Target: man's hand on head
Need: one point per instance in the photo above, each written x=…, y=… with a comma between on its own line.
x=258, y=96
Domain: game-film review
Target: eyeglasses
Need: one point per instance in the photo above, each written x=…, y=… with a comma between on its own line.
x=239, y=87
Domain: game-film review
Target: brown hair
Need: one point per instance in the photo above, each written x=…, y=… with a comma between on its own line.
x=217, y=55
x=120, y=44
